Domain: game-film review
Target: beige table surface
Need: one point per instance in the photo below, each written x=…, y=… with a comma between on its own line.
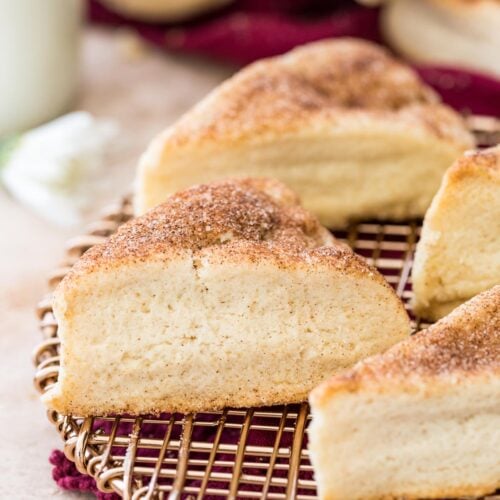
x=143, y=94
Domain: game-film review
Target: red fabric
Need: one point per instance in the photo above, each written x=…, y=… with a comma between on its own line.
x=466, y=91
x=243, y=38
x=68, y=478
x=251, y=29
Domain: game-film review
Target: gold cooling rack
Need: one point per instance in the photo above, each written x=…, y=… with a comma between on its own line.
x=254, y=453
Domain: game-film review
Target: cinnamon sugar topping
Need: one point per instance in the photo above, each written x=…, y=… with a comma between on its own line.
x=251, y=211
x=466, y=341
x=321, y=80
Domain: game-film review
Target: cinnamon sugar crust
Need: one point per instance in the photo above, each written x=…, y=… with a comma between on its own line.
x=321, y=80
x=249, y=210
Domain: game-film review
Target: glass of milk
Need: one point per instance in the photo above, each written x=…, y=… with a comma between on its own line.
x=39, y=49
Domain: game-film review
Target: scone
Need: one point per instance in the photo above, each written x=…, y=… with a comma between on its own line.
x=353, y=131
x=458, y=255
x=229, y=294
x=448, y=32
x=161, y=10
x=421, y=420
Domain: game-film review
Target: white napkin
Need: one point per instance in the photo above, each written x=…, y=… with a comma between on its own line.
x=55, y=168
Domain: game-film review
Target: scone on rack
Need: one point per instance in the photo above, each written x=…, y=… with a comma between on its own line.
x=228, y=294
x=352, y=130
x=458, y=255
x=421, y=420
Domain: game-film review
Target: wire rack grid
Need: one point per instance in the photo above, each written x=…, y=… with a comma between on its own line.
x=235, y=453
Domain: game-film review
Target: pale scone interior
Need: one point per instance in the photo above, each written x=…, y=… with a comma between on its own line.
x=458, y=255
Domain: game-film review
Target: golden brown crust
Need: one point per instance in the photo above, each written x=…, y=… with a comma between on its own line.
x=464, y=343
x=321, y=81
x=477, y=162
x=136, y=405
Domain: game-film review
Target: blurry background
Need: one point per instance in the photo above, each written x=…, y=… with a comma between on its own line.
x=131, y=67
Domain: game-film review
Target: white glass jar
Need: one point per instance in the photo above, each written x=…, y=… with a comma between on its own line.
x=39, y=48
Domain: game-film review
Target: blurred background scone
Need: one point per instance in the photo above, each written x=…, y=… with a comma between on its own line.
x=447, y=32
x=163, y=11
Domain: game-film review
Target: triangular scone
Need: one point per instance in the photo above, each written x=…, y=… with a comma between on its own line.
x=458, y=255
x=353, y=131
x=421, y=420
x=227, y=294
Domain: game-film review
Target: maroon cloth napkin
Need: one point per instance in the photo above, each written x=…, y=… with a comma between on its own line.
x=241, y=35
x=67, y=477
x=252, y=29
